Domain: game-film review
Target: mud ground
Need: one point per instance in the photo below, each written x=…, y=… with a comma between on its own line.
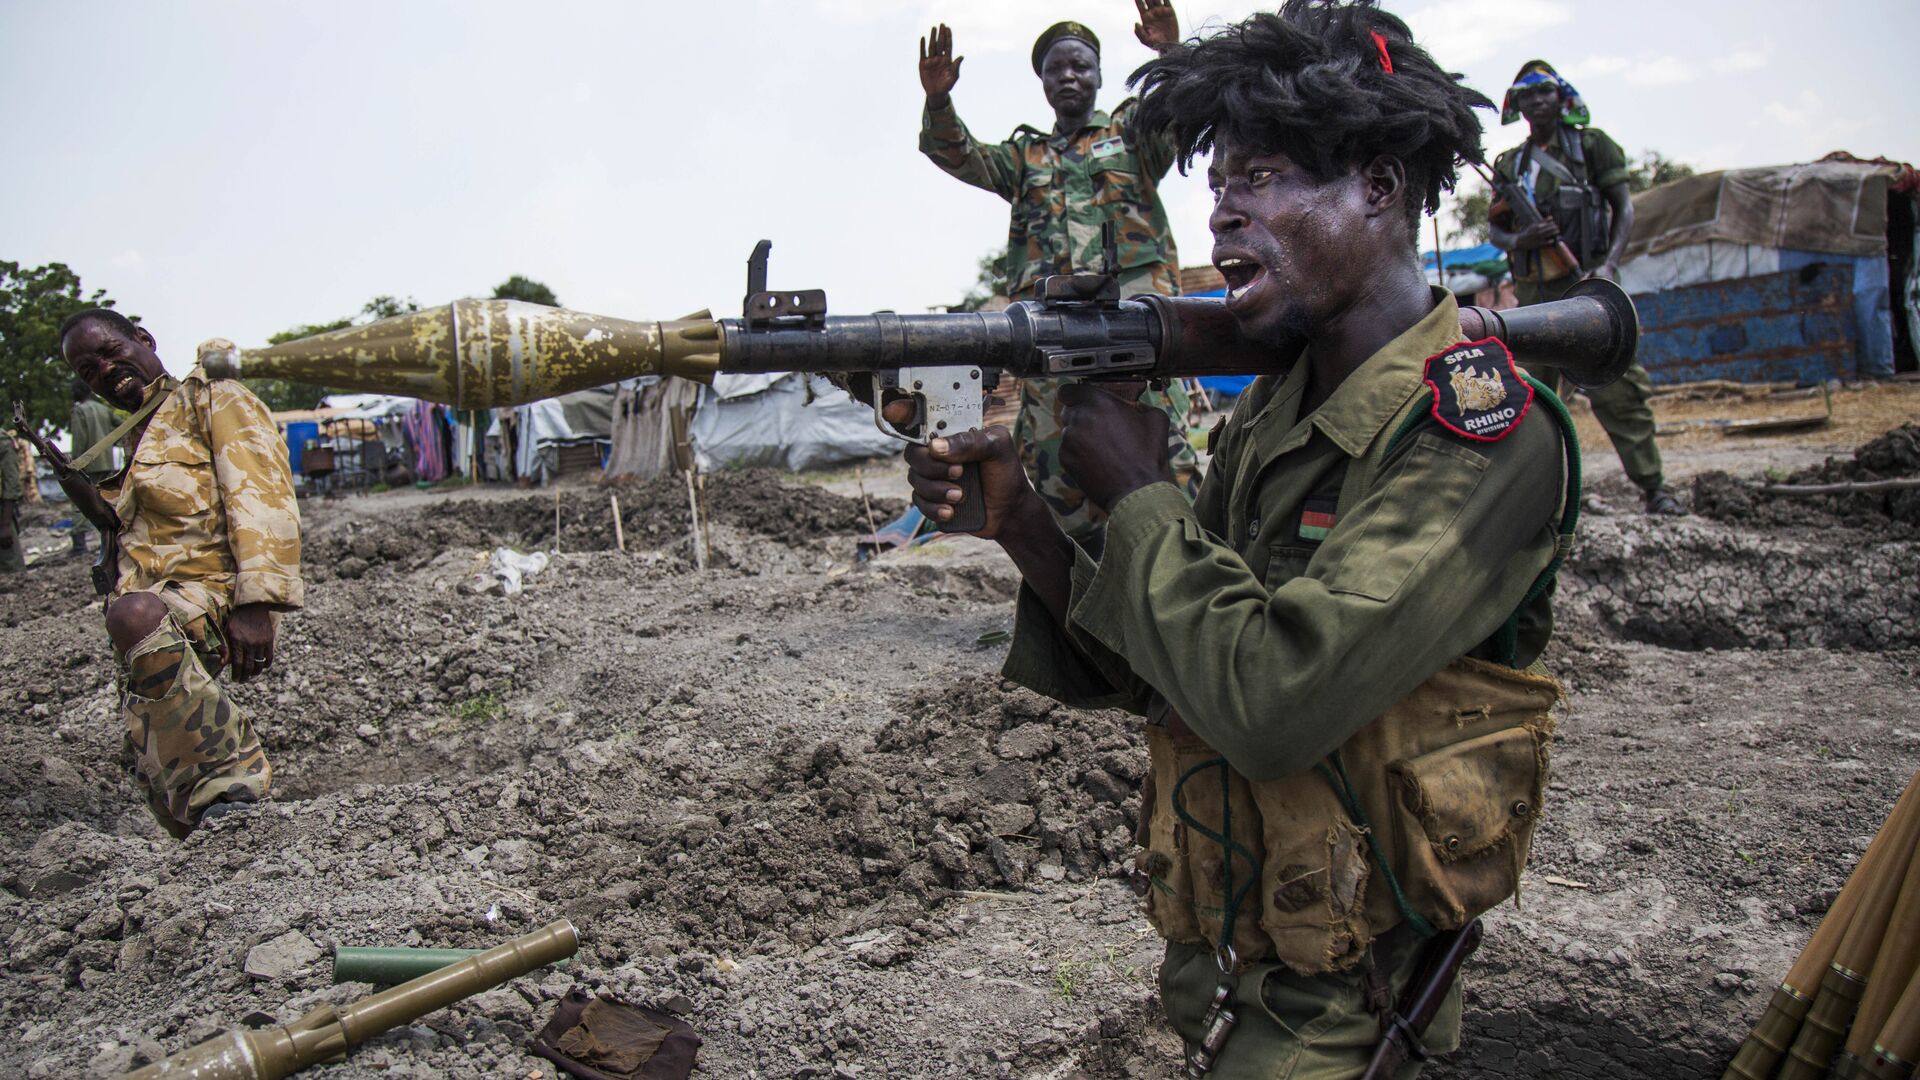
x=789, y=799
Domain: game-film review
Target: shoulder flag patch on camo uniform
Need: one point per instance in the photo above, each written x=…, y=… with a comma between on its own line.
x=1476, y=390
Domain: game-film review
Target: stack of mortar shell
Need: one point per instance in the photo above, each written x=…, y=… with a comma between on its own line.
x=1857, y=983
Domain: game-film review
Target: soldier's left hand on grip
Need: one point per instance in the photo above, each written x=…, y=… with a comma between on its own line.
x=1112, y=445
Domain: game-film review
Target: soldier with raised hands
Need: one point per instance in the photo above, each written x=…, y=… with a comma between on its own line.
x=209, y=555
x=1065, y=185
x=1337, y=645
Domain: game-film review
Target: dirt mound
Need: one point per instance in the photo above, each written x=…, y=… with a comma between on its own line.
x=1694, y=584
x=1896, y=454
x=654, y=515
x=979, y=786
x=54, y=586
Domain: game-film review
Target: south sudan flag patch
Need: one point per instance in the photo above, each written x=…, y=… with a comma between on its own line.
x=1476, y=390
x=1317, y=517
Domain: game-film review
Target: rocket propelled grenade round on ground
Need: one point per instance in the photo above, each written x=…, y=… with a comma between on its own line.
x=328, y=1031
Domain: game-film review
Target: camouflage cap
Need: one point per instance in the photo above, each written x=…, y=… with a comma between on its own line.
x=1061, y=31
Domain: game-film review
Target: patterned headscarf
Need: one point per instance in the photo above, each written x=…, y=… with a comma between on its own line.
x=1573, y=110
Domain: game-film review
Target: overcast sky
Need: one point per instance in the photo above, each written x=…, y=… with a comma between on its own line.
x=238, y=168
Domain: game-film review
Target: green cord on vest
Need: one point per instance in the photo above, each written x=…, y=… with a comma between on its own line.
x=1506, y=640
x=1343, y=789
x=1229, y=847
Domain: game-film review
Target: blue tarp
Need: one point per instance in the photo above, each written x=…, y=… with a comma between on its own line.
x=1467, y=256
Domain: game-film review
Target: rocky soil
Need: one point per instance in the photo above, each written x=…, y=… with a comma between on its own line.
x=789, y=798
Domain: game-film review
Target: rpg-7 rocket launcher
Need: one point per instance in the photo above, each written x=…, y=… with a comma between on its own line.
x=329, y=1031
x=491, y=353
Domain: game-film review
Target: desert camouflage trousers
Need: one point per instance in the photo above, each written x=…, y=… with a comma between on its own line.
x=1037, y=432
x=189, y=743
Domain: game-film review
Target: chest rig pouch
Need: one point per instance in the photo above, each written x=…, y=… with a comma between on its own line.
x=1425, y=816
x=1577, y=206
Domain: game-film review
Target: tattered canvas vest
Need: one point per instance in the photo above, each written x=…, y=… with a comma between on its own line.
x=1448, y=782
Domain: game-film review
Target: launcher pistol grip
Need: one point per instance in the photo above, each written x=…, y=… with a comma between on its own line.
x=946, y=401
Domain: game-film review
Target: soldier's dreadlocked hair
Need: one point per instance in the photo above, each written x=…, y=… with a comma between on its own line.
x=1330, y=85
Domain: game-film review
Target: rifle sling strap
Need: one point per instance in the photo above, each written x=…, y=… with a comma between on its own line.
x=167, y=385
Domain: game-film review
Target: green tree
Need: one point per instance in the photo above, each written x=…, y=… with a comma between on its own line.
x=525, y=288
x=282, y=395
x=1470, y=215
x=33, y=303
x=1654, y=169
x=989, y=282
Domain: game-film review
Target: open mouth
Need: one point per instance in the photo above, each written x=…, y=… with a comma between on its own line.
x=125, y=385
x=1241, y=275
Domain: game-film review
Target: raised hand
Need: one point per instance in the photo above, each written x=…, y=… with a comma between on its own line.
x=939, y=68
x=1158, y=28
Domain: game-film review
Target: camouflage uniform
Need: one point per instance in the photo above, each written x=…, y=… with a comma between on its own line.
x=11, y=558
x=1063, y=189
x=208, y=523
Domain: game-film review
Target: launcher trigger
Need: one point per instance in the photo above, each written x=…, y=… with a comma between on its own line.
x=946, y=400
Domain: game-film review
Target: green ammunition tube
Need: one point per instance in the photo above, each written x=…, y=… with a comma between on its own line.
x=391, y=967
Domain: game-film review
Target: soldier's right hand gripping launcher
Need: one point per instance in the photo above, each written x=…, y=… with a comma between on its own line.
x=494, y=353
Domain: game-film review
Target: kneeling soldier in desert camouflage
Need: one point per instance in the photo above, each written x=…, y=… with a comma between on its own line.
x=209, y=538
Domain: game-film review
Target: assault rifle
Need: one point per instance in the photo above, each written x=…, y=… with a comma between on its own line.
x=1510, y=201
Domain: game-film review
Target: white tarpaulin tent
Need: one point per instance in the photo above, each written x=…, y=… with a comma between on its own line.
x=784, y=421
x=544, y=426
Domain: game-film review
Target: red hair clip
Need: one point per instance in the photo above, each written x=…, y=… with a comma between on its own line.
x=1386, y=62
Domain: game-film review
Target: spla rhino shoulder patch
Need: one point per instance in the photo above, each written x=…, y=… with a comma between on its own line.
x=1477, y=392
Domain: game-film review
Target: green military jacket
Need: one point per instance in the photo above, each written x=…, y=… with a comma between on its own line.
x=1277, y=628
x=89, y=422
x=1063, y=189
x=1602, y=164
x=12, y=487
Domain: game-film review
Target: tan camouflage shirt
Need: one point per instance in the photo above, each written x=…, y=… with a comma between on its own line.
x=206, y=503
x=1063, y=189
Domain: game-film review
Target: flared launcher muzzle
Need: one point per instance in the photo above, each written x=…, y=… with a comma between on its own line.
x=1590, y=337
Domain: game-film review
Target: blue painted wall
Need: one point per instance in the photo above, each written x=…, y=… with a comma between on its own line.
x=1796, y=326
